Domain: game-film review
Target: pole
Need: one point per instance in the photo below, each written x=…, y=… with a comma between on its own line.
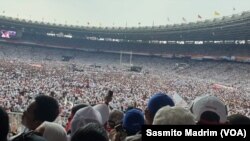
x=121, y=58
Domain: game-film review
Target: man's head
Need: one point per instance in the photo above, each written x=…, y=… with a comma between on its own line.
x=209, y=110
x=44, y=108
x=115, y=118
x=238, y=119
x=4, y=125
x=156, y=102
x=90, y=132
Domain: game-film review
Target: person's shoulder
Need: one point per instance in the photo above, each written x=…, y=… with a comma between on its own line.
x=15, y=136
x=35, y=137
x=136, y=137
x=29, y=136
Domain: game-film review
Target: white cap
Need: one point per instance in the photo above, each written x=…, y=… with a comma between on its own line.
x=209, y=103
x=173, y=116
x=104, y=111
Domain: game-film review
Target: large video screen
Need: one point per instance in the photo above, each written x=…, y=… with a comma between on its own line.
x=7, y=34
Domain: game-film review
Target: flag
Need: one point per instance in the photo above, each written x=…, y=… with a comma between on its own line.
x=234, y=9
x=184, y=19
x=168, y=19
x=216, y=13
x=139, y=24
x=199, y=16
x=179, y=101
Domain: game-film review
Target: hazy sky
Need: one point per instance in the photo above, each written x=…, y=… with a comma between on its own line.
x=119, y=12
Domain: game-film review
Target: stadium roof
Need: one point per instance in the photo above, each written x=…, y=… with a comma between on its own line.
x=233, y=27
x=121, y=13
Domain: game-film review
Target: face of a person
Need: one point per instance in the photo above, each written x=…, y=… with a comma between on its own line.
x=28, y=116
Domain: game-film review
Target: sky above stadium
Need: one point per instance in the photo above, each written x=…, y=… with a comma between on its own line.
x=121, y=12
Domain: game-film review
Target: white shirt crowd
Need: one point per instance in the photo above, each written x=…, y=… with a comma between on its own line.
x=27, y=72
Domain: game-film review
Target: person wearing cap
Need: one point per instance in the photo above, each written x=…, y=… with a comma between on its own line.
x=132, y=121
x=173, y=116
x=130, y=128
x=104, y=111
x=209, y=109
x=156, y=102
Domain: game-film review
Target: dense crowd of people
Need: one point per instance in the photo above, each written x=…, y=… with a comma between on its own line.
x=28, y=72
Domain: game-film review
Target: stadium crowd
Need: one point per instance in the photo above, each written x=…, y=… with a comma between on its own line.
x=27, y=73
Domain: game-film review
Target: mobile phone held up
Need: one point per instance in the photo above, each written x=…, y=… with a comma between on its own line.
x=110, y=94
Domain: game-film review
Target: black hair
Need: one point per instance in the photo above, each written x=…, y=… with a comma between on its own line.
x=77, y=107
x=90, y=132
x=47, y=108
x=210, y=116
x=237, y=119
x=4, y=124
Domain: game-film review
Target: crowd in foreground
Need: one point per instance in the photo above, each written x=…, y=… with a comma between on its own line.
x=97, y=122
